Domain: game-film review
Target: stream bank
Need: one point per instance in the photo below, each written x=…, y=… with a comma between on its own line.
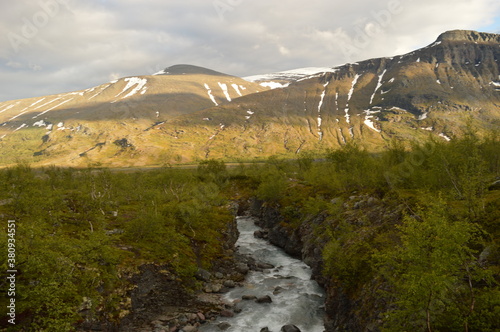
x=278, y=296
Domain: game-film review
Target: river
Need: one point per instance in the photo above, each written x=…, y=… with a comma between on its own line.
x=296, y=299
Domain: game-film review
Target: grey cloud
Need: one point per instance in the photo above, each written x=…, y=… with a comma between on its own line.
x=88, y=43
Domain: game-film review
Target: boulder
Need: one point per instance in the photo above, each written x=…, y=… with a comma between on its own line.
x=290, y=328
x=260, y=234
x=227, y=313
x=224, y=326
x=212, y=288
x=278, y=290
x=265, y=266
x=229, y=284
x=242, y=268
x=264, y=299
x=203, y=275
x=189, y=328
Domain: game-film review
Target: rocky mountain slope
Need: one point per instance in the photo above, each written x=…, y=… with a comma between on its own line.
x=79, y=128
x=431, y=90
x=189, y=113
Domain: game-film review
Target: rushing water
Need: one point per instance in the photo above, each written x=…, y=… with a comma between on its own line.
x=296, y=299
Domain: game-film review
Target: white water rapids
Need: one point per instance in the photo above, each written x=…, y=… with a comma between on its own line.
x=296, y=299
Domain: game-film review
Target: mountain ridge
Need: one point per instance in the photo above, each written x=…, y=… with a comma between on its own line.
x=469, y=35
x=430, y=91
x=186, y=69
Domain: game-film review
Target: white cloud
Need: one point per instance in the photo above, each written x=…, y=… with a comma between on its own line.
x=88, y=42
x=284, y=51
x=14, y=64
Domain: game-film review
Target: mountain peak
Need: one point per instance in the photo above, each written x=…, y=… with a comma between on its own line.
x=184, y=69
x=470, y=36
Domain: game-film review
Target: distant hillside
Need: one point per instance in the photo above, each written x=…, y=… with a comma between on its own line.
x=189, y=70
x=74, y=128
x=188, y=113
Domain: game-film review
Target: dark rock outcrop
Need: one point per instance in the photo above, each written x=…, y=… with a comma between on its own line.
x=469, y=36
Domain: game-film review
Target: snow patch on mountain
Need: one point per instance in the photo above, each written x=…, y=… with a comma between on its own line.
x=37, y=102
x=40, y=123
x=237, y=89
x=21, y=127
x=435, y=44
x=445, y=137
x=349, y=96
x=342, y=136
x=370, y=124
x=320, y=120
x=161, y=72
x=379, y=85
x=224, y=90
x=274, y=85
x=289, y=75
x=322, y=97
x=22, y=112
x=140, y=83
x=103, y=87
x=47, y=103
x=395, y=108
x=50, y=109
x=351, y=132
x=209, y=91
x=7, y=108
x=368, y=119
x=423, y=116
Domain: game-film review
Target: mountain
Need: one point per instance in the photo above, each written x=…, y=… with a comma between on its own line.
x=188, y=113
x=429, y=91
x=79, y=128
x=189, y=70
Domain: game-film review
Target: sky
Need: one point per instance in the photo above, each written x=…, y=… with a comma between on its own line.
x=55, y=46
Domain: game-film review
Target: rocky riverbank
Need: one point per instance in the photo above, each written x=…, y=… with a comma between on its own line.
x=160, y=302
x=346, y=309
x=277, y=294
x=153, y=298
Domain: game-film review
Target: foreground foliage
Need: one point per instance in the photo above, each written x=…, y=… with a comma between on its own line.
x=81, y=232
x=418, y=226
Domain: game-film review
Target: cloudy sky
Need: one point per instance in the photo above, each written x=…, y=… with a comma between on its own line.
x=54, y=46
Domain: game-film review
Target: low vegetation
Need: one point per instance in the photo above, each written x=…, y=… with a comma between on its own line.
x=81, y=232
x=418, y=224
x=412, y=230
